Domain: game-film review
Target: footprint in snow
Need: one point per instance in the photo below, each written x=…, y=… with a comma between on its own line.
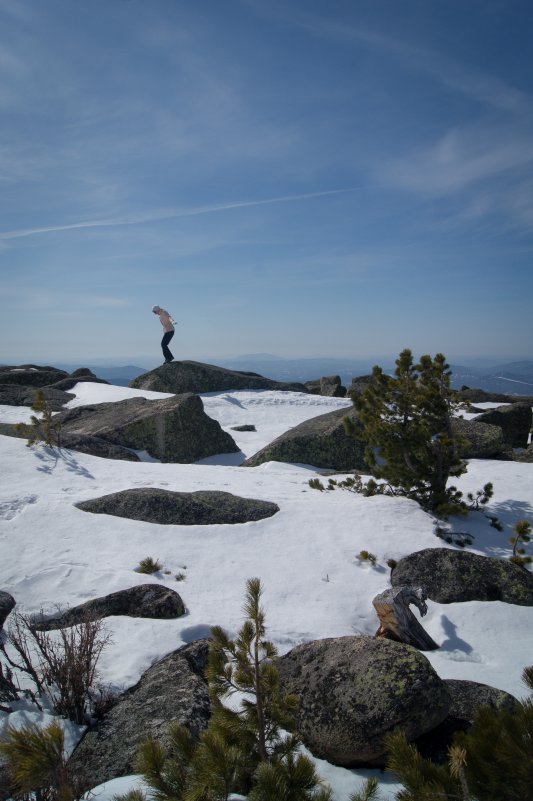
x=13, y=507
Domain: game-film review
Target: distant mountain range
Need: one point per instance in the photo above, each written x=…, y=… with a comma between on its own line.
x=511, y=378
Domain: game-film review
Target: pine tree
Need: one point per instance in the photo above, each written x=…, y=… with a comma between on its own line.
x=37, y=766
x=406, y=422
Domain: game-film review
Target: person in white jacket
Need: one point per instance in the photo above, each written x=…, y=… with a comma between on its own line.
x=168, y=327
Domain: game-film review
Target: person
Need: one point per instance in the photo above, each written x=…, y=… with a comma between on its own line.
x=168, y=327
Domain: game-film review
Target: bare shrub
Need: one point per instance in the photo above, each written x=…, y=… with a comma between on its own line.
x=61, y=664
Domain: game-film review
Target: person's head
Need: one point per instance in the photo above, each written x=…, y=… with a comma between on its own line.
x=156, y=309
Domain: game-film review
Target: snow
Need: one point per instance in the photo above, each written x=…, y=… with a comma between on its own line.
x=305, y=555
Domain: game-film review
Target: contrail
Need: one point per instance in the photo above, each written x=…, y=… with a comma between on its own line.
x=168, y=214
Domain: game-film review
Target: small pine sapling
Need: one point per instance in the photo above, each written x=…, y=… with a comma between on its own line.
x=522, y=531
x=45, y=429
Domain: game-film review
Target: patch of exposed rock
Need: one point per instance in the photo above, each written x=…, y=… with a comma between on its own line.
x=144, y=600
x=171, y=429
x=173, y=689
x=449, y=576
x=355, y=690
x=483, y=441
x=515, y=420
x=203, y=507
x=188, y=376
x=321, y=441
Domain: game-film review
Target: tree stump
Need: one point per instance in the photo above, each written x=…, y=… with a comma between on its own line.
x=397, y=622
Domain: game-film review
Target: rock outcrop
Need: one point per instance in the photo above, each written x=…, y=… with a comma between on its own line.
x=171, y=429
x=449, y=576
x=203, y=507
x=144, y=600
x=355, y=690
x=173, y=689
x=321, y=441
x=188, y=376
x=515, y=420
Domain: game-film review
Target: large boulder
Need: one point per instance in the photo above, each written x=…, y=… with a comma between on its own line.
x=515, y=421
x=173, y=689
x=82, y=375
x=19, y=395
x=203, y=507
x=355, y=690
x=170, y=429
x=321, y=441
x=481, y=440
x=144, y=600
x=187, y=376
x=31, y=375
x=329, y=385
x=358, y=385
x=449, y=576
x=467, y=699
x=95, y=446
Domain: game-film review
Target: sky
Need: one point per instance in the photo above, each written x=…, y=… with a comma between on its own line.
x=342, y=178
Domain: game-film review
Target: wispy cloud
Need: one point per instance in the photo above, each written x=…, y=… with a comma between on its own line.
x=460, y=159
x=168, y=214
x=461, y=77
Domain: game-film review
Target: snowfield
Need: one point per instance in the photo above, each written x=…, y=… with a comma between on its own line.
x=306, y=555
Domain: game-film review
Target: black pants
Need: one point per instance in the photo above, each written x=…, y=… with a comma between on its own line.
x=164, y=344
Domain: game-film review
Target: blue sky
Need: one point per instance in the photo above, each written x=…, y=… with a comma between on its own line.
x=298, y=177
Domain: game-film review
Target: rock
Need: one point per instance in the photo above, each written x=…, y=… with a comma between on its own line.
x=449, y=576
x=171, y=429
x=355, y=690
x=145, y=600
x=330, y=386
x=78, y=376
x=467, y=698
x=30, y=375
x=321, y=441
x=17, y=395
x=483, y=441
x=515, y=421
x=187, y=376
x=246, y=427
x=358, y=385
x=7, y=603
x=173, y=689
x=180, y=508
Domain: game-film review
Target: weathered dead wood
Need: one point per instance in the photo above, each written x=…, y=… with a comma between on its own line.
x=397, y=622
